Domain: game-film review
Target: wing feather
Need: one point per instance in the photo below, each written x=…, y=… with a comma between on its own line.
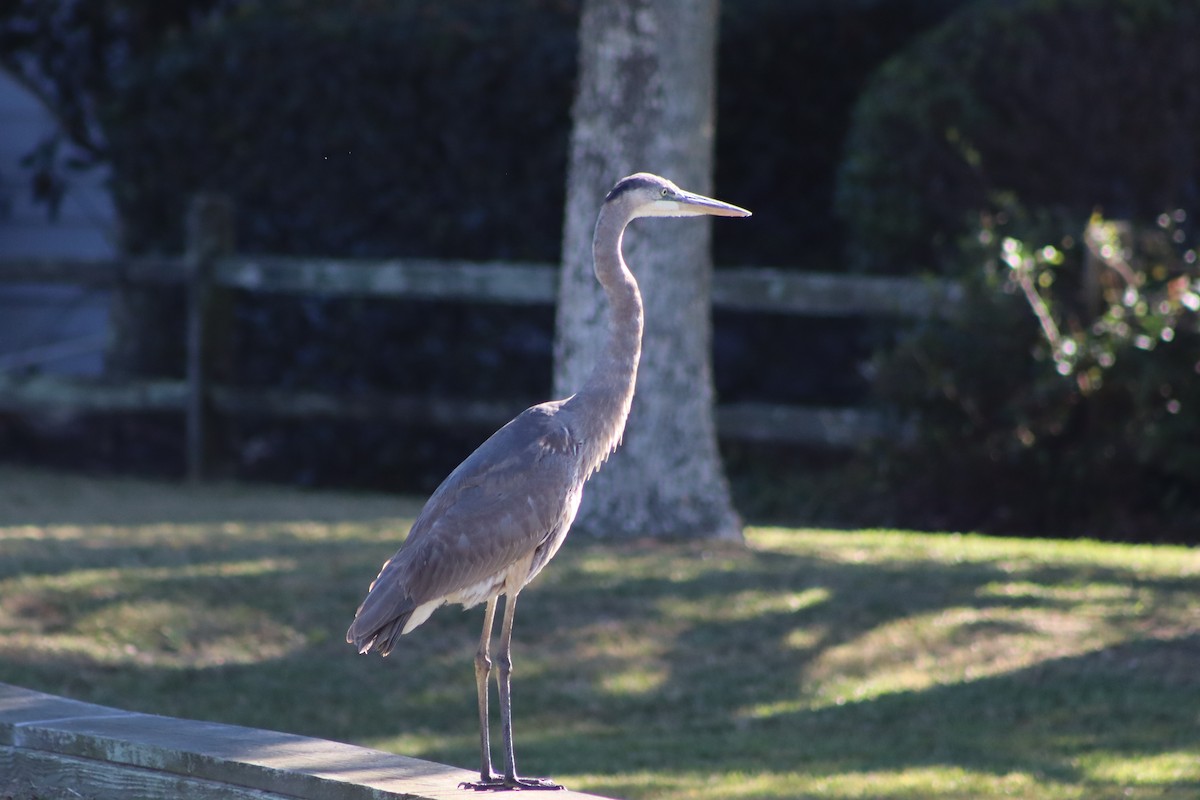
x=517, y=491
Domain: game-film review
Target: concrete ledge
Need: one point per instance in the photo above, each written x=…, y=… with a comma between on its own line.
x=106, y=753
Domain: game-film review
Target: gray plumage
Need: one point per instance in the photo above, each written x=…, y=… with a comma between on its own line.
x=502, y=514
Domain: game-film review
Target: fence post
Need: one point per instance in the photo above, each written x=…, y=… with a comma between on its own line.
x=209, y=228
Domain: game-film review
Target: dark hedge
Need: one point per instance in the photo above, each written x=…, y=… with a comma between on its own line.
x=994, y=150
x=402, y=129
x=362, y=129
x=1058, y=107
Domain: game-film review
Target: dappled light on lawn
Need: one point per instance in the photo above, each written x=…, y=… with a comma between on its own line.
x=1142, y=769
x=822, y=664
x=743, y=605
x=950, y=646
x=109, y=617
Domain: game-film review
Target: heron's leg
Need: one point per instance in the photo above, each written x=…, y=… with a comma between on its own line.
x=504, y=657
x=483, y=666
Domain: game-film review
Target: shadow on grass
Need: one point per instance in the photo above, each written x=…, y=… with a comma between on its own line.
x=1059, y=723
x=679, y=659
x=1133, y=698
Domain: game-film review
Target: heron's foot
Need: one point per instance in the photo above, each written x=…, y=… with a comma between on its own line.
x=500, y=784
x=533, y=783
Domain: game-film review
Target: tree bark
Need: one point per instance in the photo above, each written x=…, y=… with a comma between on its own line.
x=646, y=102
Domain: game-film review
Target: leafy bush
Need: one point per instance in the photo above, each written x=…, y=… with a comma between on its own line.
x=1063, y=396
x=354, y=130
x=1058, y=106
x=788, y=77
x=1005, y=437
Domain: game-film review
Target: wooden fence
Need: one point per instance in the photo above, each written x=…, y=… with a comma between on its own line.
x=208, y=267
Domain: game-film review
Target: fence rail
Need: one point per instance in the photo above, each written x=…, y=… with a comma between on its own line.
x=765, y=289
x=206, y=268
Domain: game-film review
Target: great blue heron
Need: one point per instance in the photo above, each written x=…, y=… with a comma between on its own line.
x=502, y=514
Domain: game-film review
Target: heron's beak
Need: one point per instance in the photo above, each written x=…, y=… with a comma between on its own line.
x=690, y=204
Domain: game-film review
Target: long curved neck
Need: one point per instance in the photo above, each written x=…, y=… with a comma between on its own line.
x=602, y=405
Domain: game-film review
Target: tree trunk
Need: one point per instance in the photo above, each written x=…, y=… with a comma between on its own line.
x=646, y=103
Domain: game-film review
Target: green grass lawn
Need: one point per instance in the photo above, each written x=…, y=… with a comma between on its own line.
x=822, y=664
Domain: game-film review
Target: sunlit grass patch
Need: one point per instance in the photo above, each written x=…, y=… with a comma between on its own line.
x=811, y=664
x=1144, y=769
x=179, y=634
x=105, y=614
x=948, y=646
x=642, y=679
x=742, y=605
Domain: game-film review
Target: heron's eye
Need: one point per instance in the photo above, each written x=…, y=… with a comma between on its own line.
x=665, y=191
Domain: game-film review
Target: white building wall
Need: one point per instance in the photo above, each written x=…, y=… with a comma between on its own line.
x=59, y=329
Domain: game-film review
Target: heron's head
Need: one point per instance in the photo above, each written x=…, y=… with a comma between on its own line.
x=647, y=195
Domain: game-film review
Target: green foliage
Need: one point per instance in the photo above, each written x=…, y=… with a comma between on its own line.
x=441, y=129
x=1084, y=419
x=789, y=74
x=358, y=129
x=405, y=127
x=1042, y=152
x=1059, y=106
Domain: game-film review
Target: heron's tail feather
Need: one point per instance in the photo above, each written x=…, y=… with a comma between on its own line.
x=382, y=639
x=380, y=620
